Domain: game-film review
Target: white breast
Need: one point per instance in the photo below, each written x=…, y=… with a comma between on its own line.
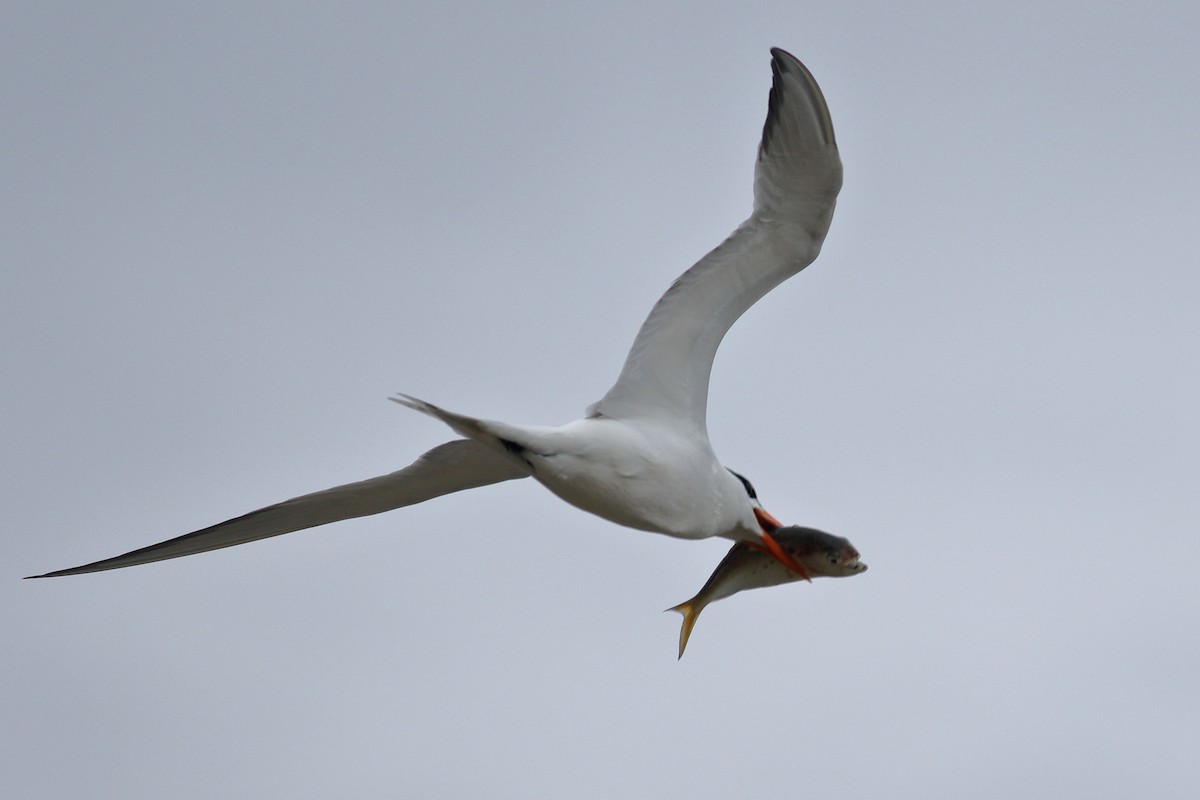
x=653, y=478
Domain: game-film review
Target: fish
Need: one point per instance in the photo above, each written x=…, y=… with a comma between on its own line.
x=823, y=555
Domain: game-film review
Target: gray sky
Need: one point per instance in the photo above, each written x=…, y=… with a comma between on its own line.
x=229, y=234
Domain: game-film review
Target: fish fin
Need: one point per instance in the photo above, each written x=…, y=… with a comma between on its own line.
x=690, y=610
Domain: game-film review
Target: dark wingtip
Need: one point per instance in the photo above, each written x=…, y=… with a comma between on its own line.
x=784, y=62
x=83, y=569
x=55, y=574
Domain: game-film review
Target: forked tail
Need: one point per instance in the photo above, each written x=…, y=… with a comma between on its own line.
x=499, y=436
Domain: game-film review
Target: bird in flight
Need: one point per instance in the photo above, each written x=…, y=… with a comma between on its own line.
x=640, y=457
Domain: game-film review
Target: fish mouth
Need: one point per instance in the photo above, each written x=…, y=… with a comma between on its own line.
x=852, y=565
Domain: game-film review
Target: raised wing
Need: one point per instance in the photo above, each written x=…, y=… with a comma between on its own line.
x=450, y=467
x=796, y=181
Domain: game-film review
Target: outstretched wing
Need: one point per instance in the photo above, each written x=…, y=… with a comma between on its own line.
x=796, y=181
x=450, y=467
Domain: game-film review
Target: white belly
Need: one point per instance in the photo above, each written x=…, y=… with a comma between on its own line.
x=654, y=480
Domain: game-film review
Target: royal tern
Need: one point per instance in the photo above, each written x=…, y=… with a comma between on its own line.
x=641, y=456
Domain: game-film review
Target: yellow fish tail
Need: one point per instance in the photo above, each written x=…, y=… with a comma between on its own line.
x=690, y=610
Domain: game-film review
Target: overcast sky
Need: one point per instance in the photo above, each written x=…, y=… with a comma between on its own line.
x=229, y=231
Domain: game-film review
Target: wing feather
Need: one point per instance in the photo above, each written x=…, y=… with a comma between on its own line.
x=450, y=467
x=796, y=180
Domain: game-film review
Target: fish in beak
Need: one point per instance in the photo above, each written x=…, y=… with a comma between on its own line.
x=769, y=525
x=749, y=566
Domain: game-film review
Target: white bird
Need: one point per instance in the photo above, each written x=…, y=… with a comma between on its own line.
x=641, y=456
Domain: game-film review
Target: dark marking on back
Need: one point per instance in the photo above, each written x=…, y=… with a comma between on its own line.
x=518, y=450
x=526, y=454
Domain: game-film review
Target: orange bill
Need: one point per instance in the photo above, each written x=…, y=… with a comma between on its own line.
x=769, y=524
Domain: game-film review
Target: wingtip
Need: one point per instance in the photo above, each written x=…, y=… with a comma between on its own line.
x=779, y=54
x=784, y=63
x=783, y=60
x=59, y=573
